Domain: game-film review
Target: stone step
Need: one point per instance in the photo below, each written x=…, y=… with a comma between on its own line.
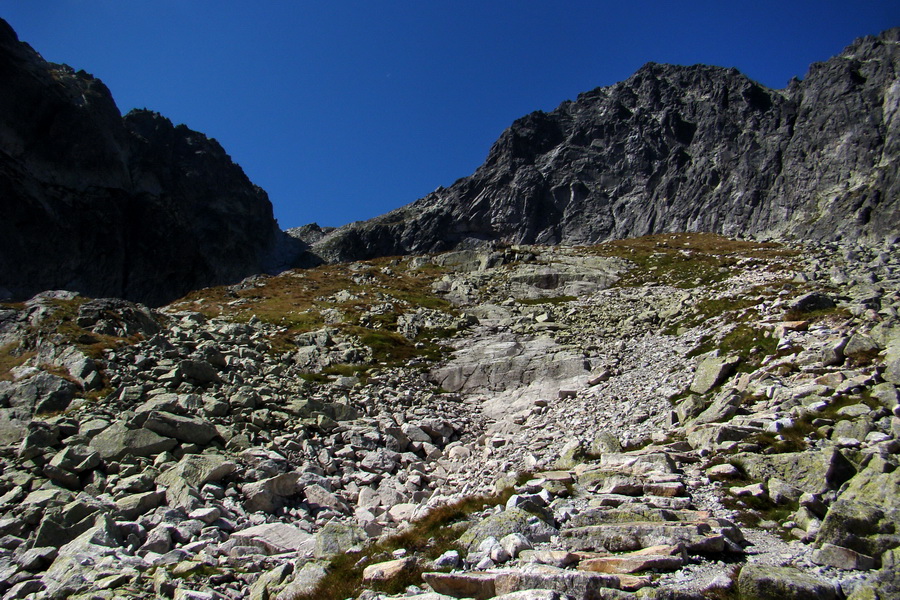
x=696, y=538
x=482, y=585
x=628, y=564
x=634, y=513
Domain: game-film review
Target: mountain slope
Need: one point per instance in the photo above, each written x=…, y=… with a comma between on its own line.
x=676, y=148
x=132, y=207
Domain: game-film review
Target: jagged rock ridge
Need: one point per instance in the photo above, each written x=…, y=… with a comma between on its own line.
x=676, y=148
x=131, y=207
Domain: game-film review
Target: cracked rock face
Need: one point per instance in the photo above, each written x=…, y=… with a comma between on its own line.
x=133, y=207
x=676, y=148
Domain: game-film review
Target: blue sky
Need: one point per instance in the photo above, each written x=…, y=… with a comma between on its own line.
x=342, y=111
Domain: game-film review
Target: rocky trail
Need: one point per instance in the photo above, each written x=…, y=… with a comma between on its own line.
x=677, y=416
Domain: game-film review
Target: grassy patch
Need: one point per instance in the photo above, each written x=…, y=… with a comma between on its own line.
x=750, y=343
x=688, y=260
x=11, y=356
x=426, y=538
x=60, y=325
x=835, y=313
x=354, y=294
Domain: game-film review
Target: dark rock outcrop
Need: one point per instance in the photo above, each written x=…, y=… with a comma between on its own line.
x=131, y=207
x=677, y=148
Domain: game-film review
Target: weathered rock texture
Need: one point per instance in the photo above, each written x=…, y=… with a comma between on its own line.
x=130, y=207
x=676, y=148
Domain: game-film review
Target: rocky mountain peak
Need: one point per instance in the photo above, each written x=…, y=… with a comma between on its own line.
x=675, y=148
x=132, y=207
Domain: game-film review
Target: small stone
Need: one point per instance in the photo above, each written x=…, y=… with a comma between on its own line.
x=389, y=570
x=723, y=472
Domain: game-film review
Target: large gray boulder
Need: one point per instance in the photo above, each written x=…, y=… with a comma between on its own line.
x=117, y=441
x=815, y=472
x=768, y=582
x=512, y=520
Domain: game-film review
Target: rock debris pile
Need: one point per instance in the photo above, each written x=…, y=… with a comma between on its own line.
x=679, y=416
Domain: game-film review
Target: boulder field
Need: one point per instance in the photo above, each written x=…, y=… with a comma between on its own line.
x=679, y=416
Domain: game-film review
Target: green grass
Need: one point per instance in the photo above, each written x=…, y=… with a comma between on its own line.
x=687, y=260
x=426, y=539
x=297, y=301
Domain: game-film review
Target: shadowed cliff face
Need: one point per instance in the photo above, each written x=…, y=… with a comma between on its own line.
x=132, y=207
x=677, y=149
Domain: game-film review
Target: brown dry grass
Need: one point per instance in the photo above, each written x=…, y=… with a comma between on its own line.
x=689, y=259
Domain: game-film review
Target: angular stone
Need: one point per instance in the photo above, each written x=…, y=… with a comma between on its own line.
x=336, y=538
x=842, y=558
x=198, y=469
x=319, y=498
x=83, y=561
x=631, y=563
x=61, y=525
x=191, y=430
x=131, y=507
x=479, y=586
x=41, y=394
x=812, y=301
x=268, y=494
x=866, y=517
x=389, y=570
x=723, y=407
x=813, y=472
x=554, y=558
x=580, y=584
x=275, y=538
x=861, y=347
x=627, y=537
x=117, y=441
x=380, y=461
x=709, y=436
x=711, y=372
x=504, y=523
x=768, y=582
x=515, y=543
x=38, y=440
x=723, y=472
x=36, y=559
x=198, y=371
x=76, y=458
x=270, y=582
x=305, y=582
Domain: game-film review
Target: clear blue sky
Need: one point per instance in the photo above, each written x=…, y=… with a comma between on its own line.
x=342, y=111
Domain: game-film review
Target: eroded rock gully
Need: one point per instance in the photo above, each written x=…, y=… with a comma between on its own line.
x=696, y=422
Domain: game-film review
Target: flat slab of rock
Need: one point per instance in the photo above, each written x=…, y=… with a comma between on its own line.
x=627, y=564
x=711, y=372
x=813, y=472
x=183, y=428
x=275, y=538
x=198, y=469
x=768, y=582
x=386, y=571
x=628, y=537
x=117, y=441
x=513, y=520
x=580, y=584
x=842, y=558
x=479, y=585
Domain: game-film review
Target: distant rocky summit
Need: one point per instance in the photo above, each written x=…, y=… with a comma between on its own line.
x=131, y=207
x=677, y=148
